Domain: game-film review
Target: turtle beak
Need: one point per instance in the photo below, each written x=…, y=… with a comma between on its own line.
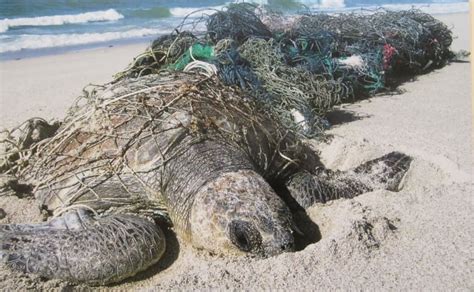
x=281, y=244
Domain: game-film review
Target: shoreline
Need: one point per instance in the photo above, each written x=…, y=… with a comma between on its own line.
x=58, y=51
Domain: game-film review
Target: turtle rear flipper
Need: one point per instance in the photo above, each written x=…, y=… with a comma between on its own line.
x=385, y=172
x=82, y=248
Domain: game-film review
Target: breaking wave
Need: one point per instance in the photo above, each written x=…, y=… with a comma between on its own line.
x=103, y=15
x=62, y=40
x=184, y=11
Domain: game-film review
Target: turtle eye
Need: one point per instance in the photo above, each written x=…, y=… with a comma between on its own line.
x=245, y=236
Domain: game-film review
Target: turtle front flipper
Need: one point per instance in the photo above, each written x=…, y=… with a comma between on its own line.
x=385, y=172
x=83, y=248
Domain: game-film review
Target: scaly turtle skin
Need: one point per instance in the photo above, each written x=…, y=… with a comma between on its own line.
x=181, y=150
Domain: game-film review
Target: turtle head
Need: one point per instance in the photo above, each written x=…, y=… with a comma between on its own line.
x=251, y=236
x=239, y=213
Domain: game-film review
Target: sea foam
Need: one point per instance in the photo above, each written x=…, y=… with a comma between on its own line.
x=332, y=3
x=432, y=8
x=103, y=15
x=61, y=40
x=185, y=11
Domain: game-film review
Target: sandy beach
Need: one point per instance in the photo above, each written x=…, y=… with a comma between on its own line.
x=420, y=238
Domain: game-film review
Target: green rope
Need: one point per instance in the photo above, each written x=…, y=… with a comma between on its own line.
x=195, y=52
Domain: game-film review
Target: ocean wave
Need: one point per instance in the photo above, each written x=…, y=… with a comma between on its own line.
x=432, y=8
x=184, y=11
x=63, y=40
x=332, y=3
x=103, y=15
x=290, y=4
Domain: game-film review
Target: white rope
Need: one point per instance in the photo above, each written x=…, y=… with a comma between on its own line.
x=204, y=68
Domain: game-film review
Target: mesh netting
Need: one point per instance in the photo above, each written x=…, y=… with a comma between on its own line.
x=300, y=66
x=119, y=145
x=237, y=22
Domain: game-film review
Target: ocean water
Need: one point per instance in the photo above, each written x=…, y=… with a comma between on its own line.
x=34, y=27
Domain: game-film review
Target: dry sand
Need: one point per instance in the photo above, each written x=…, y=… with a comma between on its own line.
x=420, y=238
x=47, y=86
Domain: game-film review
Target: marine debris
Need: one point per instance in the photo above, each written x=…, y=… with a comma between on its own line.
x=300, y=66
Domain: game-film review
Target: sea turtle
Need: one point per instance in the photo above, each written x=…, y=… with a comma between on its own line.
x=177, y=149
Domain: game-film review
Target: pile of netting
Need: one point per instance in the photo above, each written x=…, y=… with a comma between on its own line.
x=300, y=66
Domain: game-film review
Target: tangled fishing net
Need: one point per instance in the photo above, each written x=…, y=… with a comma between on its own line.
x=107, y=152
x=300, y=66
x=296, y=68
